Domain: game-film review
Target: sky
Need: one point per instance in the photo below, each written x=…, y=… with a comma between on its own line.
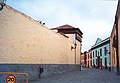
x=94, y=18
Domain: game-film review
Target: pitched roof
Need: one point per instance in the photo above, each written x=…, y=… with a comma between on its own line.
x=98, y=41
x=66, y=26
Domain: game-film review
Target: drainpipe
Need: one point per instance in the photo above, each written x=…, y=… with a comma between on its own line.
x=117, y=48
x=75, y=47
x=80, y=55
x=109, y=56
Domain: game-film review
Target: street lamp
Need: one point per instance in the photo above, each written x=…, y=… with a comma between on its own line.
x=2, y=4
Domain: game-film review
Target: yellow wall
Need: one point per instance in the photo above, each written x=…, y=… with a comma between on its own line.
x=23, y=40
x=78, y=49
x=112, y=49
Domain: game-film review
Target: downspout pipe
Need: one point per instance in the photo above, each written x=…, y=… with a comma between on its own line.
x=75, y=48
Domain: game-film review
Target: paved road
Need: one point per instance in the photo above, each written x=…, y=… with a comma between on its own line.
x=85, y=76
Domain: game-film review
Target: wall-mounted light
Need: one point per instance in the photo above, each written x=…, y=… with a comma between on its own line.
x=106, y=51
x=75, y=45
x=2, y=4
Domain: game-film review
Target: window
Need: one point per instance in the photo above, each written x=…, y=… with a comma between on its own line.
x=96, y=53
x=88, y=56
x=93, y=62
x=105, y=50
x=100, y=52
x=93, y=54
x=100, y=62
x=96, y=61
x=114, y=41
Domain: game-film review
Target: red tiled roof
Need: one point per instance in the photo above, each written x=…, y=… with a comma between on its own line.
x=66, y=26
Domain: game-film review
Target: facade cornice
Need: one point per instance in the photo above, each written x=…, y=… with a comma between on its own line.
x=106, y=41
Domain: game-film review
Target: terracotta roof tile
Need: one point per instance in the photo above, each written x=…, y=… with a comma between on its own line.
x=66, y=26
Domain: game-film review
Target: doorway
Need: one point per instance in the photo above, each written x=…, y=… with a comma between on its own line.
x=105, y=63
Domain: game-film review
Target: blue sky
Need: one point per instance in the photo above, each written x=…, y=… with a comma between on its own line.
x=94, y=18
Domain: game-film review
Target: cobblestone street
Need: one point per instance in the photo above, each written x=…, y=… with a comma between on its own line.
x=85, y=76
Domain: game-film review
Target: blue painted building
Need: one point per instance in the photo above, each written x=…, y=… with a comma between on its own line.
x=101, y=53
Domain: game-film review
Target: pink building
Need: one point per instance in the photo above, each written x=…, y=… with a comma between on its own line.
x=89, y=59
x=83, y=59
x=86, y=59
